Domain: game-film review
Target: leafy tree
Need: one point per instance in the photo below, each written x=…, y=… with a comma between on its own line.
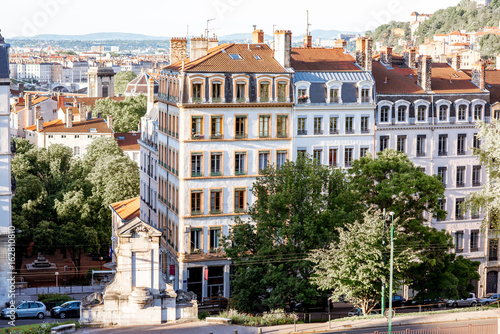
x=385, y=34
x=126, y=113
x=297, y=208
x=354, y=268
x=121, y=81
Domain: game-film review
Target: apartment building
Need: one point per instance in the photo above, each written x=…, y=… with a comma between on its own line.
x=429, y=111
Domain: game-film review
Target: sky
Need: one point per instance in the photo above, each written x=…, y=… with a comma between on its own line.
x=189, y=17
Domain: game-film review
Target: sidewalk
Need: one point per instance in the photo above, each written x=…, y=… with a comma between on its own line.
x=200, y=327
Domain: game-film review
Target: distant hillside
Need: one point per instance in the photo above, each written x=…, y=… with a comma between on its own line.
x=385, y=34
x=92, y=37
x=465, y=16
x=324, y=34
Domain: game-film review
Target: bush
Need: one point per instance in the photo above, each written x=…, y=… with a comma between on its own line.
x=53, y=297
x=44, y=328
x=274, y=317
x=203, y=315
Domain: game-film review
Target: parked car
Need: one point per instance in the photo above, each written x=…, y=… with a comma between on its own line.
x=69, y=309
x=357, y=312
x=471, y=301
x=489, y=300
x=26, y=310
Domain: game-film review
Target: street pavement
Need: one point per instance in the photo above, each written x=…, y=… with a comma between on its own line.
x=200, y=327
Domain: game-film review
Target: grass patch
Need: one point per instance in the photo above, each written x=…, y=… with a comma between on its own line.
x=43, y=328
x=274, y=317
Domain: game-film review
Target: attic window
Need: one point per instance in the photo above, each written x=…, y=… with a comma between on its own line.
x=121, y=138
x=235, y=56
x=257, y=57
x=93, y=130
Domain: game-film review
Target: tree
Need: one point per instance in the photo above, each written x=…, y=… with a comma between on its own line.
x=353, y=267
x=490, y=45
x=297, y=208
x=488, y=198
x=122, y=79
x=126, y=113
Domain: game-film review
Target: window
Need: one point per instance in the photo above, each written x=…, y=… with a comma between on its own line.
x=239, y=200
x=52, y=136
x=332, y=157
x=282, y=95
x=401, y=143
x=421, y=113
x=443, y=113
x=264, y=91
x=476, y=142
x=462, y=109
x=363, y=151
x=420, y=145
x=240, y=92
x=302, y=95
x=317, y=155
x=349, y=124
x=334, y=125
x=77, y=136
x=195, y=240
x=318, y=125
x=442, y=205
x=215, y=164
x=76, y=151
x=443, y=145
x=197, y=127
x=496, y=114
x=239, y=163
x=240, y=131
x=215, y=201
x=384, y=114
x=493, y=250
x=196, y=202
x=348, y=157
x=282, y=126
x=459, y=241
x=264, y=126
x=474, y=240
x=458, y=209
x=442, y=174
x=301, y=152
x=364, y=124
x=235, y=56
x=301, y=126
x=196, y=161
x=263, y=161
x=478, y=111
x=460, y=176
x=461, y=140
x=384, y=141
x=216, y=125
x=197, y=92
x=214, y=238
x=476, y=176
x=280, y=158
x=365, y=95
x=216, y=91
x=402, y=114
x=63, y=136
x=334, y=95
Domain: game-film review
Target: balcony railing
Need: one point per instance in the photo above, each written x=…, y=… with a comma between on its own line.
x=442, y=153
x=216, y=136
x=282, y=135
x=420, y=154
x=195, y=212
x=196, y=174
x=240, y=135
x=301, y=132
x=476, y=183
x=460, y=184
x=197, y=136
x=239, y=210
x=349, y=131
x=318, y=132
x=334, y=131
x=215, y=173
x=461, y=152
x=242, y=172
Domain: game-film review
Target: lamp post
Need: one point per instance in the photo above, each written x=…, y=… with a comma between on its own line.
x=101, y=258
x=57, y=276
x=391, y=272
x=382, y=304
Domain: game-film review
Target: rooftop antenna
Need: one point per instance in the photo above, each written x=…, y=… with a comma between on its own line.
x=274, y=25
x=206, y=30
x=187, y=31
x=308, y=24
x=254, y=27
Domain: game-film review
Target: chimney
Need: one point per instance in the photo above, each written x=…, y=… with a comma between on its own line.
x=386, y=55
x=39, y=124
x=69, y=118
x=38, y=112
x=75, y=102
x=455, y=62
x=151, y=93
x=412, y=58
x=178, y=49
x=340, y=43
x=425, y=73
x=60, y=101
x=81, y=110
x=21, y=88
x=110, y=122
x=307, y=41
x=257, y=36
x=369, y=54
x=478, y=75
x=283, y=47
x=213, y=42
x=27, y=101
x=198, y=48
x=360, y=51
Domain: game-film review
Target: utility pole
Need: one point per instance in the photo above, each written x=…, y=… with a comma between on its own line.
x=308, y=24
x=206, y=30
x=382, y=304
x=391, y=272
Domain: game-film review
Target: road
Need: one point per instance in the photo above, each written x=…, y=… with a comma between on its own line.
x=31, y=321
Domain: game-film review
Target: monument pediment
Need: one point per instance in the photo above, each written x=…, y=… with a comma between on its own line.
x=138, y=227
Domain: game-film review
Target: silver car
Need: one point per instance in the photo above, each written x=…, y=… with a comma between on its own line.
x=490, y=299
x=26, y=310
x=471, y=301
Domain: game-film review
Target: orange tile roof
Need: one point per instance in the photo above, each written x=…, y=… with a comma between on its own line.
x=129, y=141
x=460, y=81
x=218, y=60
x=90, y=101
x=57, y=126
x=127, y=209
x=320, y=59
x=493, y=85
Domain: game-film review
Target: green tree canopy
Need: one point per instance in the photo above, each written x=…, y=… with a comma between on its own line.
x=126, y=113
x=121, y=81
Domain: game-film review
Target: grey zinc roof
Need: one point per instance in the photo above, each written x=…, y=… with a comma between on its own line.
x=4, y=62
x=327, y=76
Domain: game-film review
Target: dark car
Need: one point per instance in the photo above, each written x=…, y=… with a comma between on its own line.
x=398, y=301
x=67, y=310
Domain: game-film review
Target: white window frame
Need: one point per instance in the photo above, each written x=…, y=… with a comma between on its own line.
x=438, y=105
x=385, y=104
x=459, y=103
x=473, y=105
x=419, y=103
x=302, y=85
x=365, y=85
x=333, y=84
x=406, y=104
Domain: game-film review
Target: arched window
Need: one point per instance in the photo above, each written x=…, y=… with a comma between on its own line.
x=402, y=113
x=384, y=114
x=443, y=113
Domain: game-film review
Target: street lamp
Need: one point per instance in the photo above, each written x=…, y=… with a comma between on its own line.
x=391, y=272
x=101, y=258
x=57, y=276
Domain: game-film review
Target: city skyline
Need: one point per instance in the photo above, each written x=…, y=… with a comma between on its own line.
x=230, y=16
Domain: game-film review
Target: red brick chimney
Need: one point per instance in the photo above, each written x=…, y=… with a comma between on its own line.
x=478, y=75
x=257, y=36
x=308, y=41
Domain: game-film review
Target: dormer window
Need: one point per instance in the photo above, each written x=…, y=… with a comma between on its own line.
x=443, y=113
x=196, y=93
x=302, y=89
x=402, y=114
x=334, y=95
x=478, y=111
x=384, y=114
x=282, y=95
x=302, y=95
x=334, y=91
x=421, y=110
x=240, y=91
x=462, y=112
x=365, y=95
x=235, y=56
x=264, y=91
x=216, y=91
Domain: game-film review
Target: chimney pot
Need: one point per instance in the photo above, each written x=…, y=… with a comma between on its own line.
x=257, y=36
x=307, y=41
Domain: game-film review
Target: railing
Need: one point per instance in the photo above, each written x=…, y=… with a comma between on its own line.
x=471, y=329
x=240, y=135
